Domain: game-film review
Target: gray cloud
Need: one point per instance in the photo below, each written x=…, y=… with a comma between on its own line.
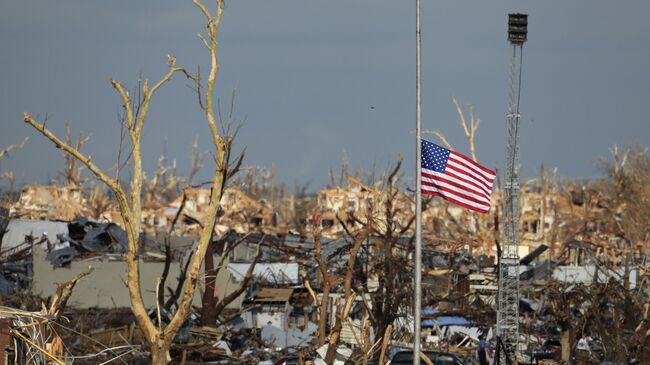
x=308, y=73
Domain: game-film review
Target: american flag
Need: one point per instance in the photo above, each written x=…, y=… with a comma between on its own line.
x=455, y=177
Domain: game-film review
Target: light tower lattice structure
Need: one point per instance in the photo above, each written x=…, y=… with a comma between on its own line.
x=507, y=330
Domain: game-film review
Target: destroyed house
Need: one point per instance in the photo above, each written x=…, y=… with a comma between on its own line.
x=352, y=205
x=50, y=202
x=270, y=307
x=273, y=248
x=238, y=212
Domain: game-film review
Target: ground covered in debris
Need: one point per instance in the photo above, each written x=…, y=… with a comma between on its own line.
x=328, y=277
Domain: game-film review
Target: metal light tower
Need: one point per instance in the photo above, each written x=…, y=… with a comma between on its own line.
x=508, y=301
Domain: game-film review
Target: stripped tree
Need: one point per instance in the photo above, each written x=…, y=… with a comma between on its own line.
x=9, y=175
x=475, y=232
x=129, y=200
x=327, y=280
x=330, y=279
x=344, y=306
x=5, y=151
x=71, y=173
x=213, y=305
x=390, y=261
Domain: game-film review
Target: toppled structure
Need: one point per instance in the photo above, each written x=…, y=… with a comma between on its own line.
x=50, y=202
x=354, y=204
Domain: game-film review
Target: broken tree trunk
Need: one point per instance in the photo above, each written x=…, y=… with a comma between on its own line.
x=343, y=312
x=565, y=341
x=209, y=301
x=327, y=281
x=344, y=309
x=386, y=343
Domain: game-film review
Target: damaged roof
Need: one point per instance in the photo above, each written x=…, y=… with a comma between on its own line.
x=276, y=273
x=273, y=295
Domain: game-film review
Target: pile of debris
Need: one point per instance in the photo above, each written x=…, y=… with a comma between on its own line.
x=50, y=202
x=85, y=239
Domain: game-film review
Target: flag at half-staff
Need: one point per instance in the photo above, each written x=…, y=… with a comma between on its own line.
x=455, y=178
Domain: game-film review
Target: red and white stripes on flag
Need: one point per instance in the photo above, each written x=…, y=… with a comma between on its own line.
x=455, y=178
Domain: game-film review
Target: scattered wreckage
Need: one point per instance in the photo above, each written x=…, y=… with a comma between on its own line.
x=567, y=309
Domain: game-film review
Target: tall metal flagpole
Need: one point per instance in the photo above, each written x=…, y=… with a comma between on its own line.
x=418, y=191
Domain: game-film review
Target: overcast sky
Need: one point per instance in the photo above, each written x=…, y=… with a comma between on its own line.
x=317, y=78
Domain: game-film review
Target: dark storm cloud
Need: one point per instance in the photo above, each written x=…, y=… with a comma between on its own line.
x=309, y=72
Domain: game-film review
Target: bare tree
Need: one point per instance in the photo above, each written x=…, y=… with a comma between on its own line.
x=211, y=307
x=9, y=175
x=327, y=280
x=469, y=130
x=165, y=184
x=390, y=260
x=473, y=230
x=197, y=161
x=98, y=201
x=159, y=338
x=5, y=151
x=627, y=194
x=345, y=305
x=11, y=180
x=71, y=172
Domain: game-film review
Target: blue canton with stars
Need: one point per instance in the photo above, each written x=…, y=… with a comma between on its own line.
x=434, y=157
